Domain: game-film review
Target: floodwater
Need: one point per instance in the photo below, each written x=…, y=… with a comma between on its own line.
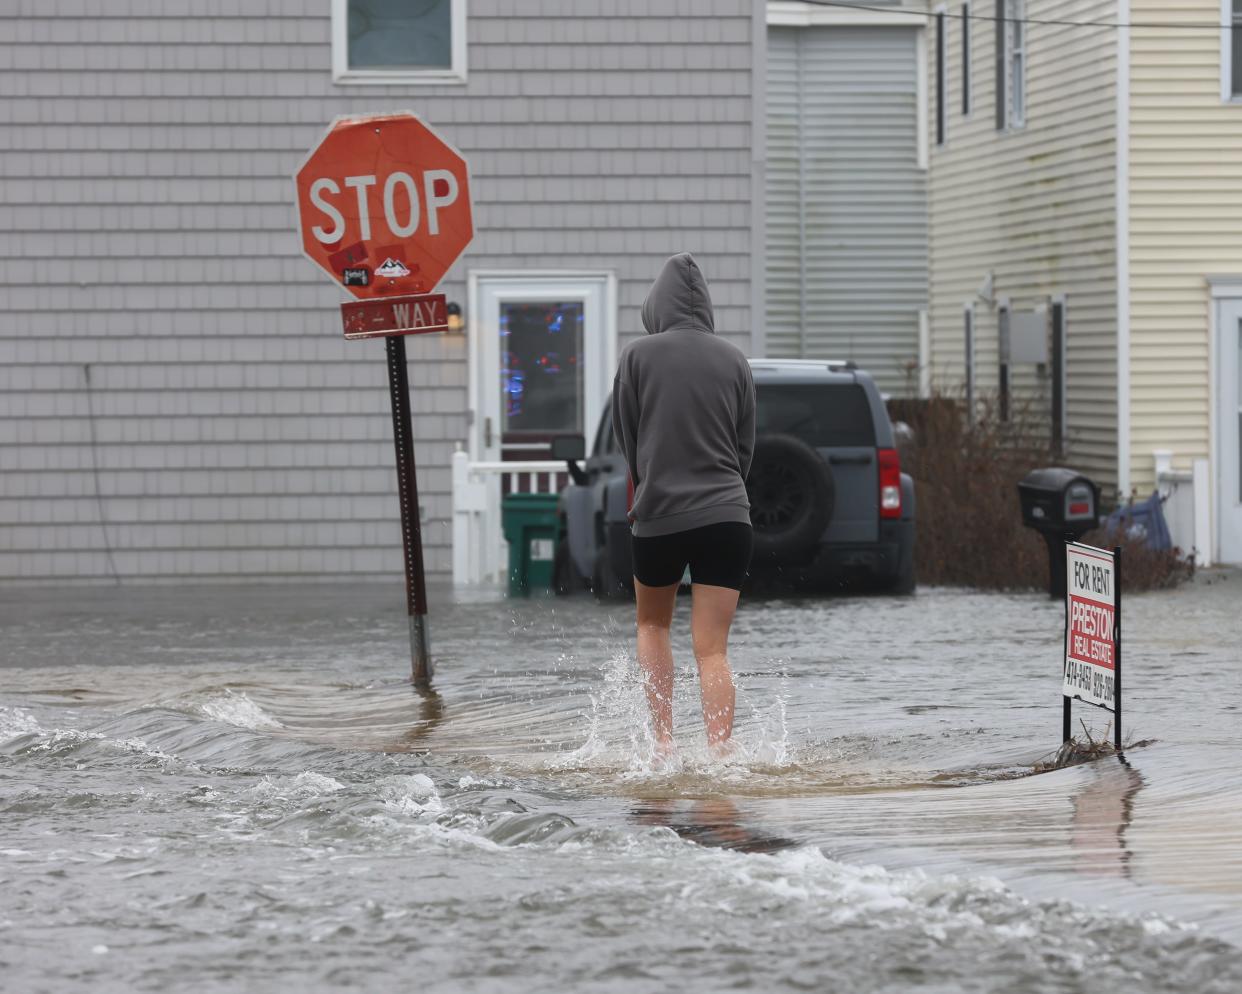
x=226, y=789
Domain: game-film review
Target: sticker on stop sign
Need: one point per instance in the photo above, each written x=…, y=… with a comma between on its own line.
x=384, y=205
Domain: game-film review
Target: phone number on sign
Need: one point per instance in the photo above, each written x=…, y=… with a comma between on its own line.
x=1089, y=680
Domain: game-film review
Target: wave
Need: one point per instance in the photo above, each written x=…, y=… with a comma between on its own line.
x=16, y=722
x=234, y=708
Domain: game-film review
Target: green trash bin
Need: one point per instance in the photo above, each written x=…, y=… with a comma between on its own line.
x=532, y=531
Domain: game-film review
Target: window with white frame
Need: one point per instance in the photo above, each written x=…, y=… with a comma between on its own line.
x=387, y=42
x=941, y=70
x=1015, y=61
x=966, y=59
x=1010, y=64
x=1232, y=50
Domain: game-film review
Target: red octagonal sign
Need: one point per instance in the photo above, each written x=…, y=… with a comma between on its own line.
x=384, y=205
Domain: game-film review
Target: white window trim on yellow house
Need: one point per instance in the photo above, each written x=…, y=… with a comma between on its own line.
x=1225, y=463
x=343, y=75
x=1230, y=21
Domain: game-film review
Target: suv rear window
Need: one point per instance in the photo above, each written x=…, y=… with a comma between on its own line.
x=822, y=415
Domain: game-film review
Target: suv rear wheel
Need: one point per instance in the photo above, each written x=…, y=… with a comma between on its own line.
x=791, y=494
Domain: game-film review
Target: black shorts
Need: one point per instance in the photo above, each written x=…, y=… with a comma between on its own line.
x=717, y=555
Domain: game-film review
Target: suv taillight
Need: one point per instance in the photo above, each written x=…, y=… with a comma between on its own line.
x=890, y=483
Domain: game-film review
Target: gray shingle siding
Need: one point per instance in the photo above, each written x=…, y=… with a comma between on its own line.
x=148, y=235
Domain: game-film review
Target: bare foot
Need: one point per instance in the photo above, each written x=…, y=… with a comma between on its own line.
x=721, y=751
x=664, y=754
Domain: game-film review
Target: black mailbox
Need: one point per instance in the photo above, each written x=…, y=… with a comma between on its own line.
x=1061, y=505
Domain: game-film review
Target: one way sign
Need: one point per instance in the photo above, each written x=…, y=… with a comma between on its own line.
x=413, y=315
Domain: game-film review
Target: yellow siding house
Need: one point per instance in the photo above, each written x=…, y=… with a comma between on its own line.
x=1085, y=198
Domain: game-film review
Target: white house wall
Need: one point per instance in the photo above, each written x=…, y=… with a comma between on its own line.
x=149, y=241
x=1035, y=207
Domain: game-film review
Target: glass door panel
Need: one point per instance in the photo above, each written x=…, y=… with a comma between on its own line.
x=541, y=374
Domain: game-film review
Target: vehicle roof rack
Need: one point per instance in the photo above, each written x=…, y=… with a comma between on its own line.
x=832, y=364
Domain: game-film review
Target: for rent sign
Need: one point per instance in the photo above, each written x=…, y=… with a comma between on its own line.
x=1092, y=629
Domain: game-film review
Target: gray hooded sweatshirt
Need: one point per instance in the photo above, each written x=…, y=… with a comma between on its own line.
x=683, y=410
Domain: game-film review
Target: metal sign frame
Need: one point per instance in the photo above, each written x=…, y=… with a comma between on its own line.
x=1113, y=558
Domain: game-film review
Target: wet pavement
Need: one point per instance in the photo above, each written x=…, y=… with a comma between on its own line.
x=215, y=789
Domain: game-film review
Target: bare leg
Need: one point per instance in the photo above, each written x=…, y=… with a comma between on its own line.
x=655, y=657
x=711, y=617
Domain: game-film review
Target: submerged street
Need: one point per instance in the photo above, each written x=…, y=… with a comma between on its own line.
x=199, y=785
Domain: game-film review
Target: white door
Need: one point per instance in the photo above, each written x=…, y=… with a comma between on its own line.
x=543, y=351
x=1229, y=433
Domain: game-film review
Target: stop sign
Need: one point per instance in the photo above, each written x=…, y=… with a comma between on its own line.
x=384, y=205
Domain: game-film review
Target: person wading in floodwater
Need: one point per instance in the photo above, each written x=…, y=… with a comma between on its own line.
x=683, y=408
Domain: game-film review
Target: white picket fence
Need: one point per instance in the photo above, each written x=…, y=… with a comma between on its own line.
x=480, y=553
x=1187, y=504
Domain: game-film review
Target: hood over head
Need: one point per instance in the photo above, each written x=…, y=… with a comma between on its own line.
x=678, y=298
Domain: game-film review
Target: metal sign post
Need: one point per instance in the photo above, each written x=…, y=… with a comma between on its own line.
x=1117, y=652
x=384, y=209
x=1092, y=659
x=411, y=530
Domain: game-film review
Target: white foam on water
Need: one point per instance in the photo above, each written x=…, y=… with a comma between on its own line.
x=303, y=786
x=414, y=795
x=468, y=781
x=141, y=747
x=944, y=907
x=414, y=808
x=233, y=708
x=15, y=722
x=409, y=806
x=72, y=738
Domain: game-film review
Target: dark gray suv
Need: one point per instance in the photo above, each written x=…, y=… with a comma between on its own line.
x=829, y=502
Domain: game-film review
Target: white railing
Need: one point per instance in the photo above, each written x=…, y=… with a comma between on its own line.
x=480, y=553
x=1187, y=504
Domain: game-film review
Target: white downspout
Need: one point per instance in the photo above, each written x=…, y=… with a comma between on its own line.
x=1122, y=208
